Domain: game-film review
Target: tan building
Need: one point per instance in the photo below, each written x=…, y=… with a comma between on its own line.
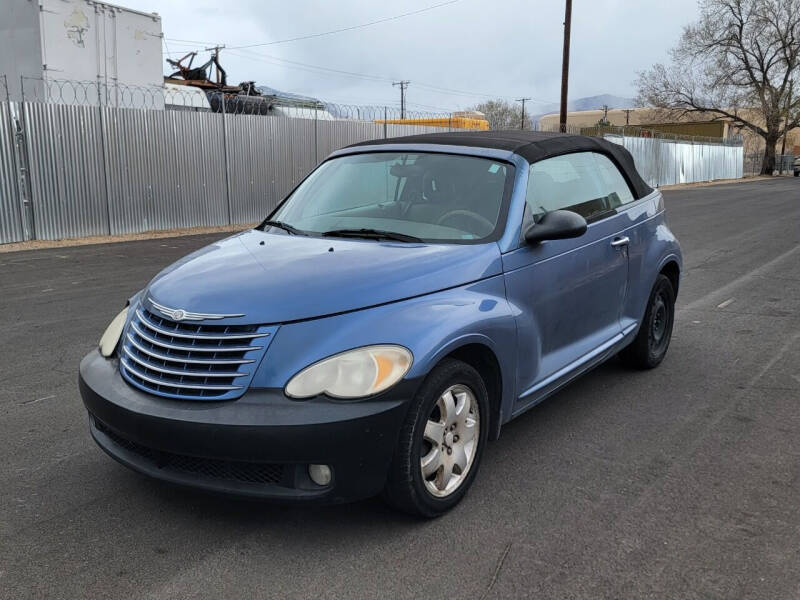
x=649, y=118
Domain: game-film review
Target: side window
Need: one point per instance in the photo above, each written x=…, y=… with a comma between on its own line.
x=614, y=181
x=584, y=182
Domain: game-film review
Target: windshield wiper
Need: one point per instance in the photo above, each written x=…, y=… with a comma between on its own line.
x=285, y=227
x=374, y=234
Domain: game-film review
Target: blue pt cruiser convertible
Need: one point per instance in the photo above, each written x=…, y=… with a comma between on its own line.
x=406, y=300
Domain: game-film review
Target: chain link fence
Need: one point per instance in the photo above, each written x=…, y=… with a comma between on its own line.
x=752, y=163
x=635, y=131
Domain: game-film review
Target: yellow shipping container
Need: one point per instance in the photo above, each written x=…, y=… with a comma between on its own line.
x=451, y=122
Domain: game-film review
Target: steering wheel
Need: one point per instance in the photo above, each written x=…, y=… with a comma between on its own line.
x=482, y=221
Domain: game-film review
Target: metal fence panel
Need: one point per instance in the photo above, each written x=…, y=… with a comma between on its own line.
x=11, y=229
x=667, y=162
x=252, y=169
x=98, y=170
x=64, y=148
x=333, y=135
x=165, y=169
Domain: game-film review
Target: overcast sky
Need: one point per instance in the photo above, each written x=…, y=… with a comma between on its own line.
x=501, y=49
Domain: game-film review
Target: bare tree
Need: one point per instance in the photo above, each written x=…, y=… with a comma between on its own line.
x=503, y=115
x=738, y=62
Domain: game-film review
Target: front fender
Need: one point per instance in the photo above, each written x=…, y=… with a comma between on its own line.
x=431, y=326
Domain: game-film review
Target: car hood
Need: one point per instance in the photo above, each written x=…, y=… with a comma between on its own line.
x=275, y=278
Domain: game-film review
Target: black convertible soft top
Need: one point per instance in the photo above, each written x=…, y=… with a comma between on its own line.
x=530, y=145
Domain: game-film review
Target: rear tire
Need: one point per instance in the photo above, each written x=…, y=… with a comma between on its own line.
x=451, y=407
x=650, y=346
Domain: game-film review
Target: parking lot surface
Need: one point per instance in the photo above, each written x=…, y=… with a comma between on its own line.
x=682, y=482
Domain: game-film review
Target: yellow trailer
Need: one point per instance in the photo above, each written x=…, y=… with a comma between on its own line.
x=453, y=122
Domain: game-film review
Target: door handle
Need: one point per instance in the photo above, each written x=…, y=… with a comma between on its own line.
x=620, y=241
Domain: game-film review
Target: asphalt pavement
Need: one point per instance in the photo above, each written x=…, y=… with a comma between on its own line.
x=682, y=482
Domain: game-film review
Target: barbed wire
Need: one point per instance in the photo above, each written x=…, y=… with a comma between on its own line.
x=246, y=99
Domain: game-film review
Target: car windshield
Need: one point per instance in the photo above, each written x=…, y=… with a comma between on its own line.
x=402, y=196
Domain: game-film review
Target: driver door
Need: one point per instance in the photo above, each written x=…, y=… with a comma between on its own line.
x=569, y=293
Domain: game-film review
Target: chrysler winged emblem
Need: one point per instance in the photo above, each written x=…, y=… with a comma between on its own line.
x=179, y=314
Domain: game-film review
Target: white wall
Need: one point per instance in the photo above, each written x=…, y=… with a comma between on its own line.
x=20, y=44
x=87, y=41
x=79, y=41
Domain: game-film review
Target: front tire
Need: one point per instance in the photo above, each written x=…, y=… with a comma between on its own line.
x=441, y=442
x=650, y=346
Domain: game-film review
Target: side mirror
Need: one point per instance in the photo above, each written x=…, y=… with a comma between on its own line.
x=556, y=225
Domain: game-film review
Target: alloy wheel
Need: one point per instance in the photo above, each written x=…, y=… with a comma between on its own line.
x=450, y=440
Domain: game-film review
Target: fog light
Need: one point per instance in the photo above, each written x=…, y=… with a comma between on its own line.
x=320, y=474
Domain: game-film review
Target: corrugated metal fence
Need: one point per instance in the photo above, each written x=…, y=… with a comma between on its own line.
x=74, y=171
x=103, y=170
x=10, y=208
x=667, y=162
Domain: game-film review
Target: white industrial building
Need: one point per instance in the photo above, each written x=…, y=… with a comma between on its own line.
x=106, y=46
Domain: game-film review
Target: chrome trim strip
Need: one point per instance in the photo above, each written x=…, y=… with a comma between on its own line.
x=178, y=314
x=218, y=388
x=194, y=361
x=156, y=342
x=199, y=336
x=166, y=371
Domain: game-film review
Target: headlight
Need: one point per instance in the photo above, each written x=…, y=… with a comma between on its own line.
x=113, y=332
x=352, y=374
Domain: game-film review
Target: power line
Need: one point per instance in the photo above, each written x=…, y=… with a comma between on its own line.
x=266, y=58
x=378, y=78
x=311, y=68
x=334, y=31
x=255, y=56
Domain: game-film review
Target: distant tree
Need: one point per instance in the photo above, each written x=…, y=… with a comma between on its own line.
x=502, y=114
x=738, y=62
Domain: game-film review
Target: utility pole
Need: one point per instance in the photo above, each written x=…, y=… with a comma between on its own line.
x=403, y=85
x=565, y=66
x=627, y=116
x=522, y=120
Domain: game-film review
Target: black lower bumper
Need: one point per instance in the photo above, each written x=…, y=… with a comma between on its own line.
x=259, y=445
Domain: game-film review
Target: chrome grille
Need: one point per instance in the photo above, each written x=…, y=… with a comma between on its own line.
x=190, y=360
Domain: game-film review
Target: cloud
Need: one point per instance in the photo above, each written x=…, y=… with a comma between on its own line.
x=508, y=49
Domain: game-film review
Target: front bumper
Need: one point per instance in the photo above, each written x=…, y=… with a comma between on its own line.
x=259, y=445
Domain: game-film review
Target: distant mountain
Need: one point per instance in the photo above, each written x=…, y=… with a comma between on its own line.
x=588, y=103
x=597, y=102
